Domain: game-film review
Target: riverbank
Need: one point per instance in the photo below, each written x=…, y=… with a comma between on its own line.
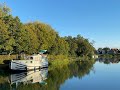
x=4, y=58
x=109, y=55
x=58, y=61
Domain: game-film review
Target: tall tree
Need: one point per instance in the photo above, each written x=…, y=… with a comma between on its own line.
x=4, y=10
x=72, y=45
x=5, y=41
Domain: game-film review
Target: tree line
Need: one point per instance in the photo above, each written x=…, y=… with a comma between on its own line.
x=107, y=50
x=17, y=37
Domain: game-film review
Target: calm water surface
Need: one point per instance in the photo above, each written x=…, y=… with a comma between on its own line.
x=102, y=77
x=103, y=74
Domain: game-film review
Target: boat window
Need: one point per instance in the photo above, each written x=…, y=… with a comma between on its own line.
x=31, y=58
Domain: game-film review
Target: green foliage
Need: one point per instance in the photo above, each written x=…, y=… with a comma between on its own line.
x=42, y=36
x=4, y=10
x=16, y=37
x=79, y=46
x=58, y=63
x=57, y=57
x=5, y=40
x=60, y=46
x=106, y=49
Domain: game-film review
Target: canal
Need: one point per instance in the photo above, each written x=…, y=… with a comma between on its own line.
x=104, y=74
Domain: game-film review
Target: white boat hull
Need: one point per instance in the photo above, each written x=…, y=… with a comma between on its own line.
x=36, y=61
x=27, y=64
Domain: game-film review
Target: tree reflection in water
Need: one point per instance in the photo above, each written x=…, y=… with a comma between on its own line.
x=109, y=60
x=55, y=77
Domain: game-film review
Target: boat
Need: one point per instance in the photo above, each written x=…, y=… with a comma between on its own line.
x=32, y=62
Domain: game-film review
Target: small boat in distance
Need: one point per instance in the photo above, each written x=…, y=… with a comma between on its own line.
x=32, y=62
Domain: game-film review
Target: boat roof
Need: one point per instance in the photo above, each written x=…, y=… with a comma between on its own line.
x=42, y=51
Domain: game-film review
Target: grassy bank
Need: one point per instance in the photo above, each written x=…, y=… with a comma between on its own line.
x=109, y=55
x=6, y=57
x=58, y=61
x=58, y=64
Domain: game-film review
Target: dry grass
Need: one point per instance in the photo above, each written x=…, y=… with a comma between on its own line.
x=6, y=57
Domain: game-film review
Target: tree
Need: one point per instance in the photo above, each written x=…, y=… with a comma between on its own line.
x=33, y=42
x=106, y=49
x=80, y=46
x=42, y=36
x=4, y=10
x=31, y=37
x=72, y=45
x=5, y=41
x=60, y=46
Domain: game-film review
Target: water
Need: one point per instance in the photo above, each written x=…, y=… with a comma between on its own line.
x=103, y=74
x=103, y=77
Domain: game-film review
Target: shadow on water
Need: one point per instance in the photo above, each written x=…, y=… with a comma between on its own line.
x=39, y=80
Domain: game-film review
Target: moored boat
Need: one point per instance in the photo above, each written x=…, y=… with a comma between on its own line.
x=32, y=62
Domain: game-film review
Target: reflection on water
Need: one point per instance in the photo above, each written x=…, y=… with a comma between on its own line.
x=78, y=75
x=74, y=70
x=106, y=77
x=109, y=60
x=29, y=77
x=20, y=80
x=38, y=80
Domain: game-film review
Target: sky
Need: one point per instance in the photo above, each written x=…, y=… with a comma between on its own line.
x=97, y=20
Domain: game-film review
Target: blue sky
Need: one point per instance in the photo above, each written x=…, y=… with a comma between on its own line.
x=97, y=20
